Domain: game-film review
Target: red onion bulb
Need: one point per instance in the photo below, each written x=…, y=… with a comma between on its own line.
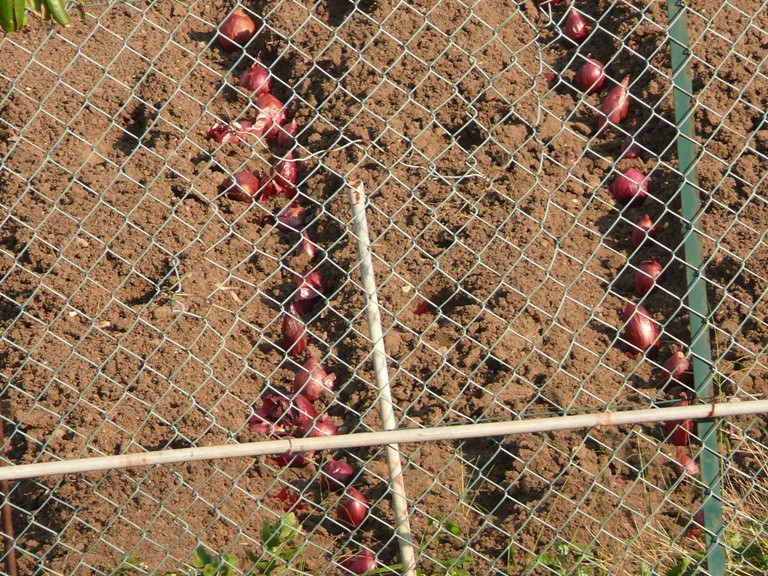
x=236, y=30
x=647, y=275
x=362, y=562
x=352, y=508
x=641, y=332
x=615, y=106
x=312, y=379
x=322, y=427
x=257, y=78
x=294, y=331
x=678, y=370
x=643, y=229
x=631, y=186
x=335, y=474
x=679, y=431
x=591, y=76
x=576, y=27
x=287, y=134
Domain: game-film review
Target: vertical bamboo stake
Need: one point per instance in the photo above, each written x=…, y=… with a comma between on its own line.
x=358, y=199
x=8, y=547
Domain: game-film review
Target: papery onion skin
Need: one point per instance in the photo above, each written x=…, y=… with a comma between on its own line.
x=294, y=331
x=363, y=562
x=576, y=27
x=643, y=229
x=312, y=379
x=694, y=529
x=321, y=427
x=641, y=332
x=279, y=415
x=647, y=275
x=289, y=460
x=590, y=78
x=630, y=187
x=287, y=134
x=678, y=370
x=352, y=508
x=292, y=218
x=615, y=105
x=242, y=186
x=679, y=431
x=236, y=30
x=335, y=475
x=257, y=78
x=308, y=247
x=685, y=464
x=286, y=176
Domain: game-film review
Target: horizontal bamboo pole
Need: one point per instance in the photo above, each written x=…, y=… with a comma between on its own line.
x=403, y=435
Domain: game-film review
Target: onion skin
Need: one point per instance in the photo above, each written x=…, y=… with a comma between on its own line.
x=270, y=116
x=312, y=380
x=647, y=276
x=364, y=561
x=292, y=218
x=615, y=106
x=236, y=30
x=678, y=371
x=286, y=176
x=322, y=427
x=685, y=465
x=289, y=460
x=694, y=529
x=335, y=475
x=679, y=431
x=287, y=134
x=291, y=499
x=641, y=332
x=257, y=78
x=576, y=27
x=294, y=331
x=278, y=416
x=643, y=230
x=308, y=247
x=241, y=186
x=630, y=187
x=352, y=508
x=591, y=76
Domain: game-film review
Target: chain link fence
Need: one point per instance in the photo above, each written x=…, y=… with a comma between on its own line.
x=142, y=307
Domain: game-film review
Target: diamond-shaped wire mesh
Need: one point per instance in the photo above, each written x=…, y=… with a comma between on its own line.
x=142, y=308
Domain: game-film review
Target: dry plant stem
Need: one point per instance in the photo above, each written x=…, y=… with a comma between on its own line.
x=358, y=201
x=383, y=437
x=9, y=549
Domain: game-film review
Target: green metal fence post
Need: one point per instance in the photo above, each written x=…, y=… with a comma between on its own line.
x=697, y=295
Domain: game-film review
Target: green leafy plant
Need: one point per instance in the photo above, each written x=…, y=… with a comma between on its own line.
x=13, y=13
x=572, y=559
x=209, y=565
x=279, y=546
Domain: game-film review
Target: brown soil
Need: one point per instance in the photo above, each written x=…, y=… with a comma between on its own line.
x=141, y=310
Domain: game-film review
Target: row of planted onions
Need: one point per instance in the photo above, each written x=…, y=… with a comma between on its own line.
x=294, y=413
x=289, y=413
x=641, y=334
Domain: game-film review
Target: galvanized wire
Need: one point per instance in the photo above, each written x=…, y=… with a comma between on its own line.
x=140, y=309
